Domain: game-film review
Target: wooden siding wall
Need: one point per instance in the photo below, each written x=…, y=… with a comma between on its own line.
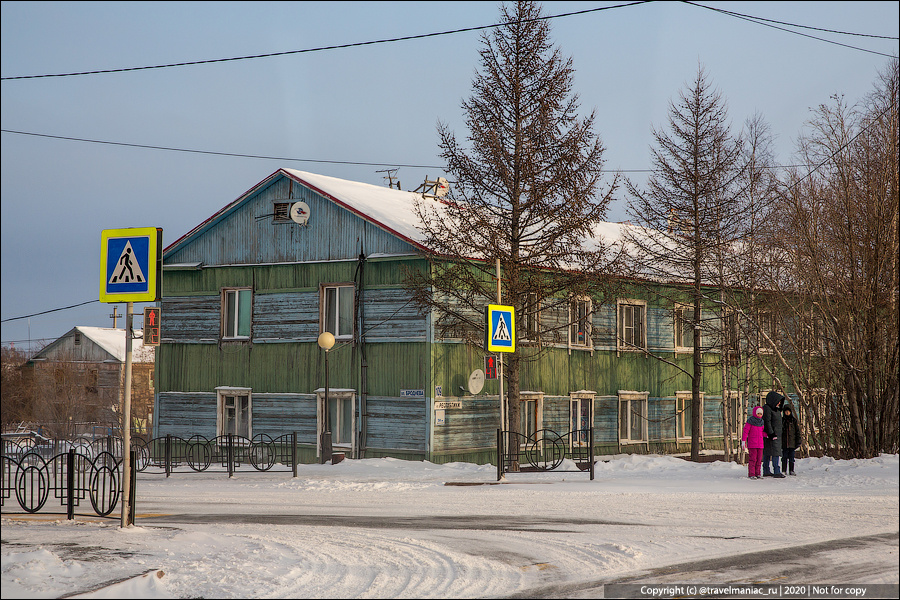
x=248, y=234
x=280, y=414
x=190, y=318
x=391, y=316
x=65, y=350
x=603, y=325
x=400, y=423
x=606, y=420
x=661, y=418
x=714, y=419
x=185, y=414
x=472, y=427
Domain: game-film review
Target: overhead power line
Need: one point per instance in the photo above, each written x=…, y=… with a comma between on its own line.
x=883, y=37
x=751, y=18
x=171, y=149
x=280, y=158
x=766, y=22
x=323, y=48
x=49, y=311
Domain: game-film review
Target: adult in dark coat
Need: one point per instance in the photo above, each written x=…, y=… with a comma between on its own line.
x=790, y=438
x=772, y=425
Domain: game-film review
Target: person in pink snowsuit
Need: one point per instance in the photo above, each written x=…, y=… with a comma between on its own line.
x=752, y=440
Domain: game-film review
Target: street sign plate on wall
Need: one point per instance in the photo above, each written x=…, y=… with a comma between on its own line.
x=130, y=264
x=500, y=328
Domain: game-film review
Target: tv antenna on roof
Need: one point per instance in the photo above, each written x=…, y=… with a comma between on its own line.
x=434, y=189
x=390, y=177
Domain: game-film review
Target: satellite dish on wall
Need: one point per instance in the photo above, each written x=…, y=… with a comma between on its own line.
x=300, y=213
x=476, y=381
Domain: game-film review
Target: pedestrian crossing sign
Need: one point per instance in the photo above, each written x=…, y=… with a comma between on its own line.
x=500, y=328
x=130, y=264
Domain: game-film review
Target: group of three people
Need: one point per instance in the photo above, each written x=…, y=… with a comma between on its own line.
x=771, y=436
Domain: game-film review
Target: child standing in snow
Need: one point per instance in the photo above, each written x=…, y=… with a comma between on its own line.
x=790, y=439
x=752, y=440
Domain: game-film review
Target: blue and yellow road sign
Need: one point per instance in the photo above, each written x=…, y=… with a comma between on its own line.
x=130, y=264
x=500, y=328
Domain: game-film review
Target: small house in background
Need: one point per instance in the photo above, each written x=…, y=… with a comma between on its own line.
x=78, y=382
x=247, y=292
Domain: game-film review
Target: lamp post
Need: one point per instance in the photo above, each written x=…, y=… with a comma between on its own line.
x=326, y=343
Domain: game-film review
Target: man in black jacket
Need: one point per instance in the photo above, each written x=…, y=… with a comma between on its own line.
x=772, y=443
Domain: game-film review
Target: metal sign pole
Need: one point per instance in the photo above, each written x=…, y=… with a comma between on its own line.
x=504, y=410
x=126, y=421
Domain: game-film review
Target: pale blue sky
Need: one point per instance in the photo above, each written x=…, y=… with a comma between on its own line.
x=376, y=103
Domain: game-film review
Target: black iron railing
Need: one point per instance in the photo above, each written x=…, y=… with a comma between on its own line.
x=71, y=477
x=544, y=450
x=226, y=452
x=35, y=470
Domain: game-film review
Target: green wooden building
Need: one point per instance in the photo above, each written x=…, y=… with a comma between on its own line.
x=247, y=292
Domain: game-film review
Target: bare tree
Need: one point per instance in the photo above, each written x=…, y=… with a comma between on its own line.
x=689, y=211
x=16, y=394
x=65, y=396
x=838, y=249
x=525, y=192
x=739, y=277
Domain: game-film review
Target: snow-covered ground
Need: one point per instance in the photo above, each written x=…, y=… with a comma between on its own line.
x=386, y=528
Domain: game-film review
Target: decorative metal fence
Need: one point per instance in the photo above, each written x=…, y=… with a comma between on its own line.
x=71, y=476
x=75, y=471
x=544, y=450
x=226, y=452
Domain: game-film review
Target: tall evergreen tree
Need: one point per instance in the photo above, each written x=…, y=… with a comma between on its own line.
x=691, y=206
x=526, y=191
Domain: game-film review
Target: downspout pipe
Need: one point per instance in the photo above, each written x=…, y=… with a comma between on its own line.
x=359, y=279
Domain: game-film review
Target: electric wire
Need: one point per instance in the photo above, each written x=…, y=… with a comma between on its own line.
x=759, y=21
x=751, y=18
x=49, y=311
x=280, y=158
x=323, y=48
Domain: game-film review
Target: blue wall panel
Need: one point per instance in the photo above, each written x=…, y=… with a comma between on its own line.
x=400, y=423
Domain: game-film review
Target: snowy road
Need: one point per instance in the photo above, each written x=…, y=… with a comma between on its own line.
x=867, y=558
x=384, y=528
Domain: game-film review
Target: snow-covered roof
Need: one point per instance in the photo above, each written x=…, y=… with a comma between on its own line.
x=392, y=209
x=395, y=210
x=112, y=341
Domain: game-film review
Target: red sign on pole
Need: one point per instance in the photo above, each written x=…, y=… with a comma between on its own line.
x=490, y=367
x=151, y=326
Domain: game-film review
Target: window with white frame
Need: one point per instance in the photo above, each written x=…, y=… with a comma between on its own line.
x=233, y=412
x=237, y=310
x=684, y=327
x=581, y=418
x=684, y=415
x=632, y=325
x=531, y=409
x=633, y=416
x=338, y=416
x=337, y=310
x=580, y=322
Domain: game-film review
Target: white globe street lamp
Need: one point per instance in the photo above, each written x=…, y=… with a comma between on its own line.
x=326, y=343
